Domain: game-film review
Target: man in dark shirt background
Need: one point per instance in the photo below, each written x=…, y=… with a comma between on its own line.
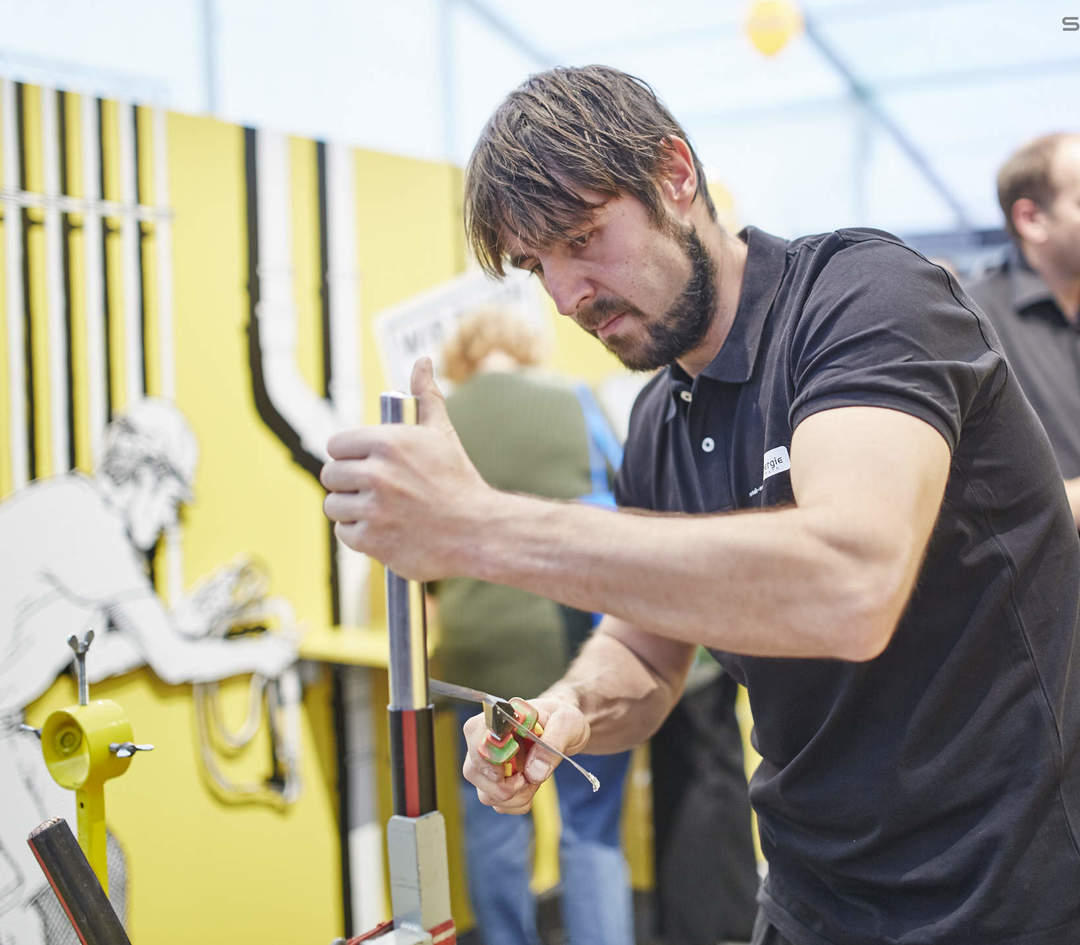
x=1033, y=295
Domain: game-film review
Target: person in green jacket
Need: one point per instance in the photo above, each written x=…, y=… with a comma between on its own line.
x=528, y=432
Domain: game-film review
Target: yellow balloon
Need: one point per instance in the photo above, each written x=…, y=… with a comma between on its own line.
x=772, y=23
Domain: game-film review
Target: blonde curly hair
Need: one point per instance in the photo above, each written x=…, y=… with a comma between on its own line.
x=484, y=331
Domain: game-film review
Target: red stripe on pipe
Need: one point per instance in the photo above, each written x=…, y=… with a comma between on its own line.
x=444, y=933
x=411, y=763
x=59, y=897
x=386, y=926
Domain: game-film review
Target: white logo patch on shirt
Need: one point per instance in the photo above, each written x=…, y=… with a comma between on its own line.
x=776, y=461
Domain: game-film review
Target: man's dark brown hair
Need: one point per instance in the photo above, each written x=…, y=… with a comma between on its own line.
x=561, y=132
x=1028, y=174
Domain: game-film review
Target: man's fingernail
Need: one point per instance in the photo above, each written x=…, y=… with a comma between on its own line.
x=537, y=770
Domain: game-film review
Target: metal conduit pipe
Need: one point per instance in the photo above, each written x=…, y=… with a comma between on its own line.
x=412, y=744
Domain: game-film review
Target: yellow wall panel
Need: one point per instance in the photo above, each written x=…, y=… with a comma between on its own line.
x=79, y=346
x=240, y=458
x=201, y=869
x=116, y=320
x=7, y=218
x=6, y=481
x=144, y=129
x=76, y=278
x=72, y=106
x=110, y=136
x=412, y=248
x=35, y=287
x=32, y=168
x=279, y=875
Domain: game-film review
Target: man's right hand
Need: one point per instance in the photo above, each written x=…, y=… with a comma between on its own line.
x=407, y=494
x=565, y=728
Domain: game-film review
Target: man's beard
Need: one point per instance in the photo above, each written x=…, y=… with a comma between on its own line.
x=683, y=326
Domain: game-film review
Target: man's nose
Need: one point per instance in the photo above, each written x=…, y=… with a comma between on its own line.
x=567, y=285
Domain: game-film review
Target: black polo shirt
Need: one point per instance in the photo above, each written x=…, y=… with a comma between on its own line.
x=932, y=794
x=1042, y=346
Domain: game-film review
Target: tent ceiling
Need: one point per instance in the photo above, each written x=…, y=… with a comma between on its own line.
x=936, y=93
x=889, y=113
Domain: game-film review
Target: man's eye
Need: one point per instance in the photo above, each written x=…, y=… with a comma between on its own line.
x=536, y=269
x=580, y=240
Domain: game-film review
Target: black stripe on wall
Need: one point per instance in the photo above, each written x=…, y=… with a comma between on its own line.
x=263, y=405
x=28, y=223
x=327, y=363
x=66, y=229
x=106, y=230
x=324, y=264
x=140, y=270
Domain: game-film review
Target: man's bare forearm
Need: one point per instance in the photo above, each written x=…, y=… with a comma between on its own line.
x=1072, y=491
x=625, y=682
x=783, y=589
x=827, y=577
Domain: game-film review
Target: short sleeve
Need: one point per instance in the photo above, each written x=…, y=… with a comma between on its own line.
x=884, y=327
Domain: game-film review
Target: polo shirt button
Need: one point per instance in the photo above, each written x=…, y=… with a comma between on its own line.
x=708, y=445
x=686, y=395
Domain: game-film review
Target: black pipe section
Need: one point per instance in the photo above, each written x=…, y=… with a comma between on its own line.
x=80, y=894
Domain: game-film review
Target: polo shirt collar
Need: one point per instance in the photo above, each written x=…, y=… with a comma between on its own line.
x=766, y=259
x=1027, y=286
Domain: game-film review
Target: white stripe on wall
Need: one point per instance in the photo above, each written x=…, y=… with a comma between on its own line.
x=343, y=278
x=343, y=287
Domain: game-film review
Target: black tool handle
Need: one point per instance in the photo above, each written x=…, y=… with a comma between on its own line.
x=69, y=873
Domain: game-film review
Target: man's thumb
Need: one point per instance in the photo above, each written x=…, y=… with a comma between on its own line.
x=432, y=403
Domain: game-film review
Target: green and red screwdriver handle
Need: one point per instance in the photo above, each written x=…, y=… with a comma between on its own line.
x=506, y=752
x=510, y=723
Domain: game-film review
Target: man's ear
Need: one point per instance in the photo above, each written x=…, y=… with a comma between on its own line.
x=1028, y=219
x=677, y=176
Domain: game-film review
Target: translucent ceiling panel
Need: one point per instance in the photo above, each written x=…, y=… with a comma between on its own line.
x=486, y=64
x=792, y=172
x=917, y=40
x=693, y=52
x=897, y=197
x=362, y=73
x=718, y=73
x=970, y=128
x=127, y=49
x=572, y=27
